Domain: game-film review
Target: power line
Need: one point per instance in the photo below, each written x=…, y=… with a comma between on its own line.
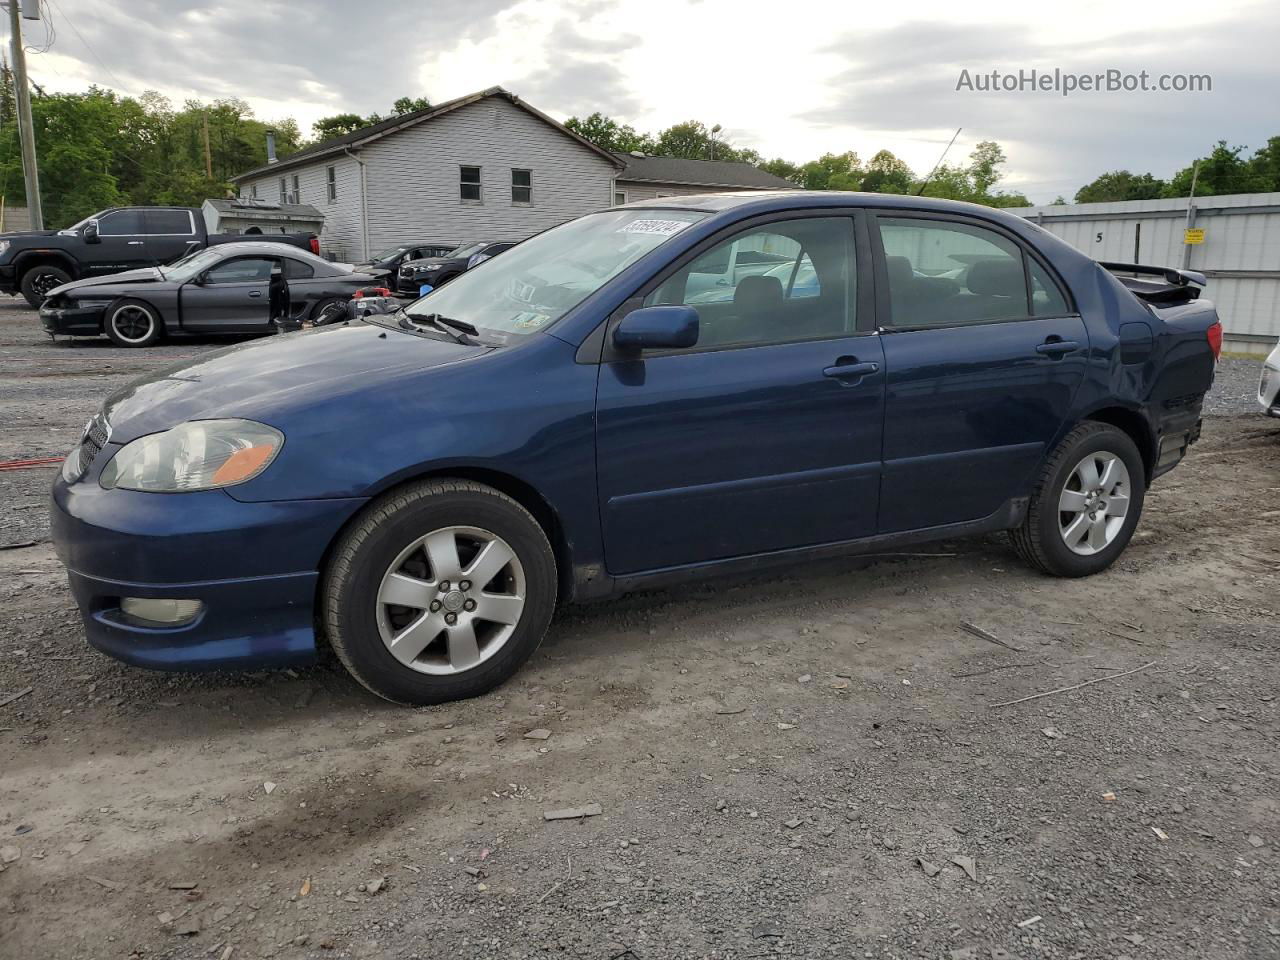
x=76, y=31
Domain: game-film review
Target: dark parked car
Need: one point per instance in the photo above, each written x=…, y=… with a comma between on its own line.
x=388, y=260
x=112, y=241
x=437, y=271
x=231, y=288
x=562, y=425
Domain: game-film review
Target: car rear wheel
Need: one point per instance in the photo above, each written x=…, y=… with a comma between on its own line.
x=328, y=311
x=439, y=591
x=132, y=323
x=38, y=281
x=1086, y=503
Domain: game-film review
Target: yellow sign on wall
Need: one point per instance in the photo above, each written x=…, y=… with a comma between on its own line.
x=1193, y=235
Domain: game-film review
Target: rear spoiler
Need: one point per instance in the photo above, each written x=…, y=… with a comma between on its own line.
x=1174, y=286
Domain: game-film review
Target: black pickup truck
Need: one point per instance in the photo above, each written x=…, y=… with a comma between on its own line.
x=119, y=238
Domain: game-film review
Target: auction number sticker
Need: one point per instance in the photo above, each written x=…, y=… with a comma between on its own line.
x=661, y=228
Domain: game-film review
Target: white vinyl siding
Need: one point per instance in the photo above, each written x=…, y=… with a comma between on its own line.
x=340, y=239
x=644, y=190
x=414, y=177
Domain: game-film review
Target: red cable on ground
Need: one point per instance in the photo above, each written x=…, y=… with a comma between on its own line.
x=30, y=464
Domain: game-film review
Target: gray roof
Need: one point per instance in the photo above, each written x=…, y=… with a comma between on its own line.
x=699, y=173
x=375, y=131
x=248, y=209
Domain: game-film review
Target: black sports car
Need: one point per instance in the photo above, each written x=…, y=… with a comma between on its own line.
x=232, y=288
x=413, y=275
x=389, y=260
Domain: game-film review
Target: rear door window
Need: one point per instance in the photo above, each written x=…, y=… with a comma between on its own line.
x=169, y=223
x=945, y=272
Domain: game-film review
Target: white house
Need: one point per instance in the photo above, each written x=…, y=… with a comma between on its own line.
x=483, y=167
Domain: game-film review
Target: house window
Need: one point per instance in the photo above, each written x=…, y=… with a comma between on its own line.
x=297, y=193
x=522, y=186
x=253, y=191
x=619, y=198
x=331, y=182
x=469, y=184
x=284, y=192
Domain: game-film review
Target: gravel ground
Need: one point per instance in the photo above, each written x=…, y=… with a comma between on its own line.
x=814, y=764
x=1235, y=386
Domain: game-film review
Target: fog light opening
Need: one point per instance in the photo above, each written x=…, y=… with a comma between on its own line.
x=153, y=612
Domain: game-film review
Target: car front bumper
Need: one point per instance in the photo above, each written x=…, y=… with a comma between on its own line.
x=72, y=321
x=8, y=279
x=254, y=568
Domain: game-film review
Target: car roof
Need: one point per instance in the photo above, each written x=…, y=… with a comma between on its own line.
x=763, y=201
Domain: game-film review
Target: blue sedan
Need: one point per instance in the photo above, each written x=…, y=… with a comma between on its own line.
x=569, y=421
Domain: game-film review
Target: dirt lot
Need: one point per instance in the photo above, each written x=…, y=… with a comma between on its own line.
x=810, y=765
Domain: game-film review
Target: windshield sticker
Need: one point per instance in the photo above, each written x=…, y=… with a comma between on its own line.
x=661, y=228
x=530, y=321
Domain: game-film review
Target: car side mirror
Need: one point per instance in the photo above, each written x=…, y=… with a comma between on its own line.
x=91, y=232
x=199, y=279
x=657, y=328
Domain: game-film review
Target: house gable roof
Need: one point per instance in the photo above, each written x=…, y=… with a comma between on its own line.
x=376, y=131
x=699, y=173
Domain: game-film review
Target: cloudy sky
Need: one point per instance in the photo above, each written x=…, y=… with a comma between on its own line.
x=792, y=79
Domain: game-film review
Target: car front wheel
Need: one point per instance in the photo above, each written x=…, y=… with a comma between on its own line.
x=1086, y=503
x=439, y=591
x=132, y=323
x=37, y=282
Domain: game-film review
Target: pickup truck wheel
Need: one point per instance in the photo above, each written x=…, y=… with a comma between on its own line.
x=439, y=591
x=38, y=281
x=133, y=323
x=1086, y=503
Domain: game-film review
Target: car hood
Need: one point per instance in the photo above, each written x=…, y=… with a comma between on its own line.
x=270, y=379
x=427, y=262
x=15, y=234
x=141, y=275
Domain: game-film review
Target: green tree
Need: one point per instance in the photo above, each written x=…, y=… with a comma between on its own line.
x=1223, y=171
x=1120, y=185
x=887, y=174
x=409, y=105
x=339, y=125
x=1265, y=165
x=782, y=168
x=842, y=168
x=608, y=134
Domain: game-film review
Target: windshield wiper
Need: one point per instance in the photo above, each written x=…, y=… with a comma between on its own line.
x=454, y=328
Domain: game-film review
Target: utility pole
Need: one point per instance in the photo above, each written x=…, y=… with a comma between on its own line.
x=22, y=95
x=1191, y=216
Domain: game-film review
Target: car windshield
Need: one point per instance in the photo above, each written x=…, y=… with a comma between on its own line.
x=467, y=249
x=533, y=285
x=388, y=253
x=191, y=265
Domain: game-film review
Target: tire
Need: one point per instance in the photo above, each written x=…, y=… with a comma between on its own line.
x=384, y=543
x=132, y=323
x=39, y=280
x=1063, y=507
x=318, y=313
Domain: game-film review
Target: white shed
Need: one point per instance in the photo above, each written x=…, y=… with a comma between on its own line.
x=1239, y=250
x=234, y=215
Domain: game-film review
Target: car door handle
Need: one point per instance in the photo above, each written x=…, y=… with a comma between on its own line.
x=135, y=243
x=255, y=293
x=849, y=370
x=1056, y=348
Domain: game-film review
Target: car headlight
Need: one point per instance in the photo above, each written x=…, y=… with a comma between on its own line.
x=4, y=247
x=200, y=455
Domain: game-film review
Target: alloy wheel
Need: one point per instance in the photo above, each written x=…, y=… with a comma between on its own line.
x=450, y=600
x=132, y=323
x=44, y=282
x=1094, y=503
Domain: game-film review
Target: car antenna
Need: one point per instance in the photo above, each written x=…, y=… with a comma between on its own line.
x=920, y=192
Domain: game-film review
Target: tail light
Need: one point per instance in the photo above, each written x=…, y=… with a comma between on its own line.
x=1214, y=336
x=315, y=244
